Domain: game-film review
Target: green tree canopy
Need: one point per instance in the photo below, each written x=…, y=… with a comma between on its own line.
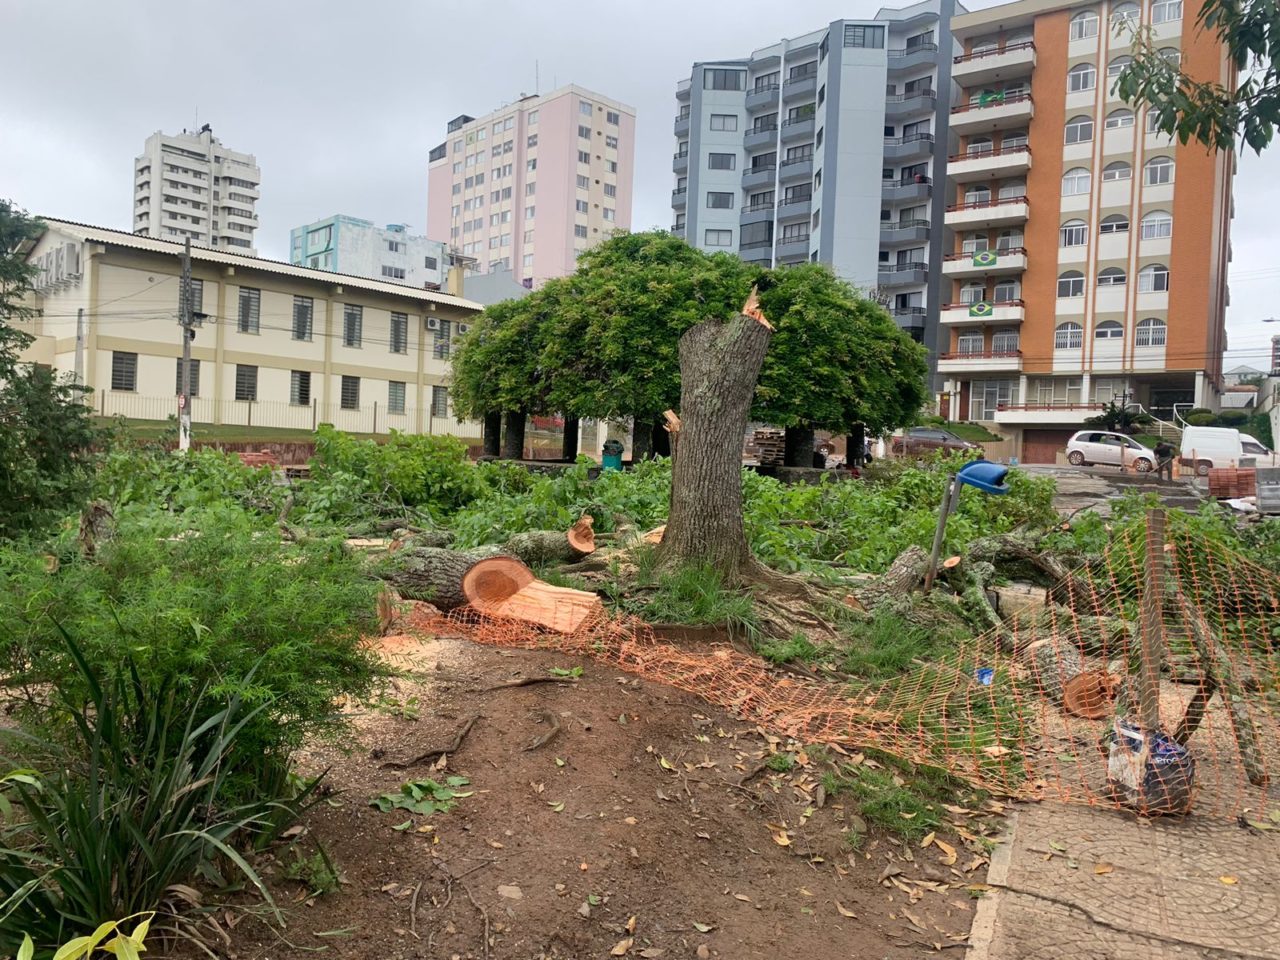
x=1201, y=107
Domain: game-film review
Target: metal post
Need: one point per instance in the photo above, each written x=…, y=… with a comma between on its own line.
x=185, y=325
x=315, y=410
x=375, y=416
x=1152, y=636
x=80, y=346
x=948, y=495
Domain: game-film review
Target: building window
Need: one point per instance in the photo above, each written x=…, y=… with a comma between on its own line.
x=611, y=142
x=1119, y=170
x=300, y=388
x=439, y=401
x=250, y=303
x=1116, y=223
x=611, y=117
x=1073, y=233
x=399, y=333
x=1068, y=336
x=1151, y=333
x=1071, y=284
x=973, y=292
x=1116, y=67
x=970, y=343
x=194, y=367
x=1172, y=56
x=1158, y=171
x=580, y=230
x=581, y=206
x=1079, y=130
x=393, y=273
x=533, y=117
x=443, y=336
x=584, y=133
x=124, y=371
x=1157, y=225
x=1084, y=25
x=583, y=182
x=430, y=263
x=1108, y=330
x=584, y=108
x=246, y=382
x=722, y=79
x=610, y=190
x=718, y=238
x=350, y=393
x=1005, y=341
x=529, y=212
x=1075, y=182
x=1111, y=277
x=722, y=161
x=724, y=121
x=1124, y=13
x=532, y=140
x=395, y=396
x=584, y=156
x=1081, y=77
x=720, y=200
x=1119, y=119
x=1153, y=279
x=1163, y=11
x=609, y=214
x=858, y=35
x=530, y=189
x=303, y=308
x=352, y=324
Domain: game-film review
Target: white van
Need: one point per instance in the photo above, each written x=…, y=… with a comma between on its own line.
x=1208, y=448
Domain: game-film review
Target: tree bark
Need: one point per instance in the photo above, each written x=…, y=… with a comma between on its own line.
x=537, y=547
x=513, y=441
x=641, y=440
x=719, y=364
x=493, y=434
x=433, y=574
x=798, y=446
x=569, y=442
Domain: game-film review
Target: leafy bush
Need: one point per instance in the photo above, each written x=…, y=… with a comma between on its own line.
x=1233, y=418
x=127, y=809
x=1201, y=419
x=151, y=476
x=201, y=599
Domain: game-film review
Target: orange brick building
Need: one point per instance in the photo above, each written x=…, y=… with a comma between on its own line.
x=1088, y=254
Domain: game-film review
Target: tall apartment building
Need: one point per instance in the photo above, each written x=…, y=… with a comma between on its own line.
x=1088, y=252
x=777, y=158
x=358, y=247
x=532, y=185
x=190, y=185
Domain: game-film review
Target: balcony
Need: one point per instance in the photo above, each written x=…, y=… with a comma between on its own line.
x=794, y=207
x=1000, y=212
x=679, y=196
x=987, y=263
x=681, y=128
x=1015, y=60
x=758, y=176
x=981, y=313
x=759, y=97
x=908, y=188
x=913, y=147
x=793, y=247
x=680, y=162
x=755, y=212
x=684, y=90
x=903, y=231
x=792, y=171
x=1004, y=114
x=906, y=104
x=981, y=361
x=756, y=137
x=761, y=251
x=800, y=88
x=1031, y=414
x=912, y=57
x=678, y=229
x=988, y=164
x=797, y=129
x=902, y=274
x=909, y=318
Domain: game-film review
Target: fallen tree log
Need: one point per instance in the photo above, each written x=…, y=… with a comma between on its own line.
x=1058, y=671
x=502, y=586
x=554, y=546
x=1092, y=635
x=433, y=574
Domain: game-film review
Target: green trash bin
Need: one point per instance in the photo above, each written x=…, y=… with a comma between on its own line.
x=611, y=455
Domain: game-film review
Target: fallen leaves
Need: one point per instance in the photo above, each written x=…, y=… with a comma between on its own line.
x=948, y=852
x=556, y=805
x=510, y=891
x=621, y=947
x=1229, y=880
x=1101, y=869
x=845, y=911
x=703, y=927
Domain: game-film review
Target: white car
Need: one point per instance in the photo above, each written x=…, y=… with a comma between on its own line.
x=1208, y=448
x=1113, y=449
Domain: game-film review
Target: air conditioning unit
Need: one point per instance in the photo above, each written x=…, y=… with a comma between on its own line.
x=433, y=323
x=463, y=327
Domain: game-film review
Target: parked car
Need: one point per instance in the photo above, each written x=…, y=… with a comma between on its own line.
x=927, y=439
x=1209, y=448
x=1089, y=447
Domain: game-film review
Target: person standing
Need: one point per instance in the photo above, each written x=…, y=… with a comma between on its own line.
x=1164, y=460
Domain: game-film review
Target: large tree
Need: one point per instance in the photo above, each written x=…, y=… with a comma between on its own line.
x=1201, y=107
x=47, y=435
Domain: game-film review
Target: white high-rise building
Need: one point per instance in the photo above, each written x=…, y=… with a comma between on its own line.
x=190, y=185
x=361, y=248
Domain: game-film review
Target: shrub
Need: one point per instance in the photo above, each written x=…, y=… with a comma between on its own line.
x=1205, y=419
x=1233, y=418
x=202, y=599
x=161, y=479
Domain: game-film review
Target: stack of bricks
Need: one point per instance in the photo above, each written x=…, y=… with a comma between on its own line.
x=1232, y=482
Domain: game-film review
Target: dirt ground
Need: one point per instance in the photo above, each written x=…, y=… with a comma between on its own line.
x=627, y=834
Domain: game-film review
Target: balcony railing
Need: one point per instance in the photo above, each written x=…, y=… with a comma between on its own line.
x=1006, y=252
x=756, y=245
x=794, y=238
x=753, y=207
x=902, y=224
x=979, y=204
x=801, y=77
x=762, y=168
x=795, y=160
x=911, y=138
x=902, y=267
x=909, y=312
x=792, y=121
x=981, y=355
x=914, y=95
x=1001, y=102
x=1052, y=405
x=996, y=51
x=763, y=128
x=681, y=156
x=679, y=191
x=763, y=88
x=989, y=152
x=906, y=181
x=994, y=303
x=912, y=51
x=787, y=201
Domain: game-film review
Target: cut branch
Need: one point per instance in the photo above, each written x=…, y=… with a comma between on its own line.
x=447, y=750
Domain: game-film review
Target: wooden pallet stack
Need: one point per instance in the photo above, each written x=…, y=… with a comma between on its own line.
x=767, y=447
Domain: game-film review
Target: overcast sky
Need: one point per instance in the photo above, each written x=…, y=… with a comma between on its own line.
x=341, y=101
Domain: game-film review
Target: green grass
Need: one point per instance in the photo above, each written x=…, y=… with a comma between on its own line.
x=886, y=646
x=972, y=431
x=901, y=799
x=693, y=595
x=799, y=647
x=227, y=432
x=781, y=762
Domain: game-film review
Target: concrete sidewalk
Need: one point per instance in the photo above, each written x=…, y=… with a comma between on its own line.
x=1078, y=883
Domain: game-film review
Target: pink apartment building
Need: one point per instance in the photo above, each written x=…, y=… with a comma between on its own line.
x=532, y=185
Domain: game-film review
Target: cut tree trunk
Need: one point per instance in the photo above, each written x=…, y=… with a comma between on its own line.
x=719, y=364
x=1058, y=670
x=433, y=574
x=902, y=578
x=505, y=587
x=798, y=446
x=539, y=547
x=513, y=440
x=569, y=442
x=493, y=434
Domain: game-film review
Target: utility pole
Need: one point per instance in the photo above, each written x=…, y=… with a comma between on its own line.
x=80, y=346
x=187, y=324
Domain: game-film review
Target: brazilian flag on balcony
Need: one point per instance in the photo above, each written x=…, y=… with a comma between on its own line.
x=984, y=258
x=980, y=309
x=988, y=97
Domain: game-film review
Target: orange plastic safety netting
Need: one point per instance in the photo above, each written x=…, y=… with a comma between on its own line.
x=1029, y=710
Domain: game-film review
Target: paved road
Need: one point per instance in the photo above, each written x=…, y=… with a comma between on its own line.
x=1094, y=488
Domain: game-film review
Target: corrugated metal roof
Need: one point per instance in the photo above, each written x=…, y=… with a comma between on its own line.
x=121, y=238
x=1238, y=399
